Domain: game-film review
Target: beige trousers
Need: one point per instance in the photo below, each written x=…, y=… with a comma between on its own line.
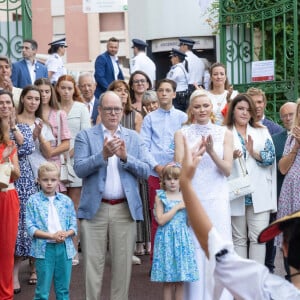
x=111, y=223
x=249, y=227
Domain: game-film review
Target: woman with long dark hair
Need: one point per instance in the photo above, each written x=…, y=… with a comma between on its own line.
x=9, y=202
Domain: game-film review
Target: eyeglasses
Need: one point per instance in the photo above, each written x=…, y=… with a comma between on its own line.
x=110, y=110
x=139, y=81
x=285, y=116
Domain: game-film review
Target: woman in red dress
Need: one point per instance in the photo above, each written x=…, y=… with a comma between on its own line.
x=9, y=201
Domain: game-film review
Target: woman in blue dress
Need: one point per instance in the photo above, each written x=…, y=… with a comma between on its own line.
x=25, y=186
x=174, y=258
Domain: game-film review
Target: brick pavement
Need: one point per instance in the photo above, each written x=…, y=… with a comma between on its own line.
x=140, y=289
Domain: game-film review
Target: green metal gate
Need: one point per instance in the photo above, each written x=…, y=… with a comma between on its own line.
x=15, y=25
x=255, y=30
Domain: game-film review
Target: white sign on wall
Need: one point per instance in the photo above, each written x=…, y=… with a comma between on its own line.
x=263, y=70
x=104, y=6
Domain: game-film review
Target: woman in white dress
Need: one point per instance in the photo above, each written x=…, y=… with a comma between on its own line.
x=78, y=118
x=220, y=92
x=209, y=181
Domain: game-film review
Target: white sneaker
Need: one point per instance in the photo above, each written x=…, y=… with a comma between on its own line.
x=136, y=260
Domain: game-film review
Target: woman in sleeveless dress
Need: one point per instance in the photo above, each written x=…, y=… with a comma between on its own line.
x=9, y=201
x=220, y=92
x=210, y=181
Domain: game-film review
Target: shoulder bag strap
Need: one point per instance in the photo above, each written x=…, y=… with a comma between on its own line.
x=62, y=158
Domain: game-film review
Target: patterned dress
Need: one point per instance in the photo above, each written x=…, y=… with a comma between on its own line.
x=25, y=187
x=143, y=227
x=174, y=256
x=289, y=199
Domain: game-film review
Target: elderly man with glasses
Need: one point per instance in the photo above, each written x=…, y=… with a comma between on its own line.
x=110, y=159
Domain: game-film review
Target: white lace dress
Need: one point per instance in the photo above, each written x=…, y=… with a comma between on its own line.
x=211, y=187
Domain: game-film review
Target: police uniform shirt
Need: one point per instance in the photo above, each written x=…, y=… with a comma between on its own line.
x=141, y=62
x=196, y=68
x=179, y=74
x=55, y=64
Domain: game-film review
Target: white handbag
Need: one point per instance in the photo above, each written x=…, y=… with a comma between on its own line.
x=5, y=172
x=240, y=186
x=67, y=174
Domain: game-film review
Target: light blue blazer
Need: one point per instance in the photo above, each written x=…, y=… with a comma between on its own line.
x=91, y=167
x=20, y=74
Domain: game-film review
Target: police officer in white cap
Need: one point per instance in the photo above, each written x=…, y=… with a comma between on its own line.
x=54, y=63
x=141, y=62
x=196, y=66
x=179, y=74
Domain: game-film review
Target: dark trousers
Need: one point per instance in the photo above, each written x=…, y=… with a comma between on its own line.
x=270, y=250
x=181, y=101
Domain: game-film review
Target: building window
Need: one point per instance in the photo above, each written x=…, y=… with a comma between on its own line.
x=16, y=17
x=112, y=22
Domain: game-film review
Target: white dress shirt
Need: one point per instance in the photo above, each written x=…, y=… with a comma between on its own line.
x=31, y=69
x=141, y=62
x=90, y=106
x=113, y=186
x=114, y=60
x=196, y=68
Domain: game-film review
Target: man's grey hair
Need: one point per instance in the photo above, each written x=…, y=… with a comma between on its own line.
x=86, y=74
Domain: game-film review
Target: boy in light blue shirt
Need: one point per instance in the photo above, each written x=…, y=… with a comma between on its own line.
x=51, y=221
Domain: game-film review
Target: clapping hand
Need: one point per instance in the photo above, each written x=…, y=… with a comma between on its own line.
x=7, y=151
x=12, y=119
x=209, y=144
x=7, y=83
x=296, y=133
x=190, y=161
x=237, y=153
x=38, y=125
x=249, y=145
x=115, y=146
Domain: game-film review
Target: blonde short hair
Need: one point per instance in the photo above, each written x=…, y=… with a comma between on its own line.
x=48, y=167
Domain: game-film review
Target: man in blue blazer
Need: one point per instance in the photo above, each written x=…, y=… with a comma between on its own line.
x=110, y=159
x=260, y=100
x=107, y=70
x=27, y=70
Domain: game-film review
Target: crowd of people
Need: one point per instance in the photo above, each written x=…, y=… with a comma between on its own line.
x=133, y=184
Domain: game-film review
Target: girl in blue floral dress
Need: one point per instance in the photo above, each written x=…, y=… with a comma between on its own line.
x=174, y=258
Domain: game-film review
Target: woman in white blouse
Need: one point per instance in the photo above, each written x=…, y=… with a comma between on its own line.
x=78, y=118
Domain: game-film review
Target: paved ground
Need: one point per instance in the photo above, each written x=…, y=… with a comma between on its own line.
x=140, y=289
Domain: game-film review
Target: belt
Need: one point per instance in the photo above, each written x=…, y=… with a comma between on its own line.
x=114, y=201
x=11, y=186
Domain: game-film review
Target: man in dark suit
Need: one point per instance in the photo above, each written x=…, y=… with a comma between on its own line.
x=107, y=70
x=110, y=159
x=27, y=70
